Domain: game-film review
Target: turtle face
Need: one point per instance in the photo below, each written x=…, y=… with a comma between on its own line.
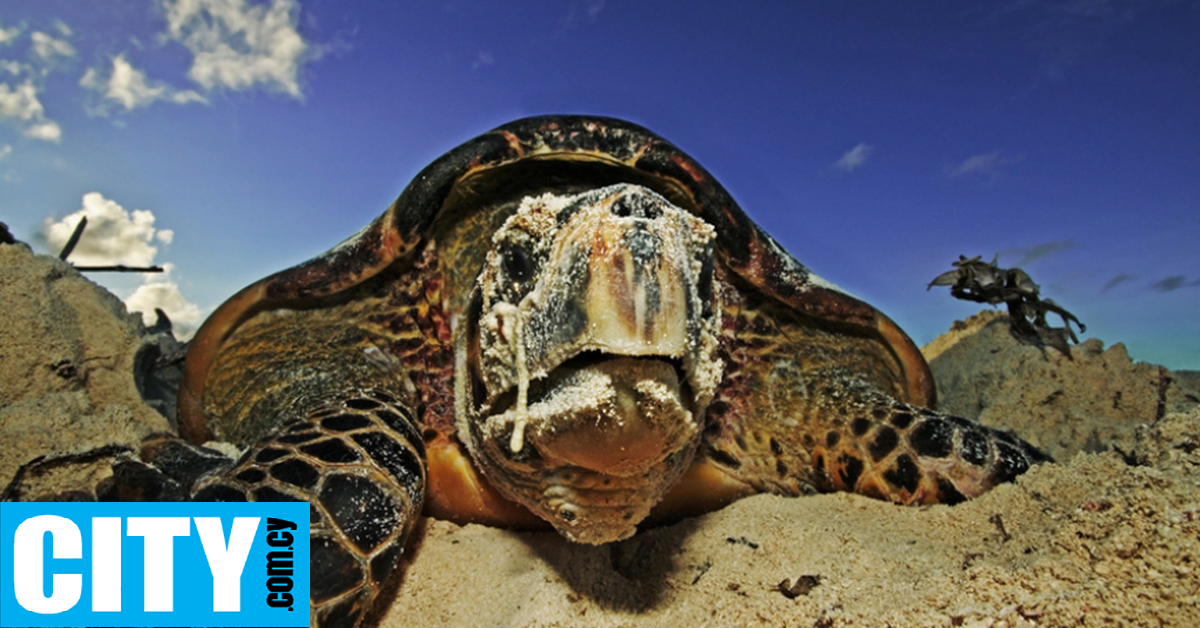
x=590, y=356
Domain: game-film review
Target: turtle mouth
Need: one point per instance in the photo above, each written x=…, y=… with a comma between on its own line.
x=596, y=442
x=606, y=413
x=590, y=361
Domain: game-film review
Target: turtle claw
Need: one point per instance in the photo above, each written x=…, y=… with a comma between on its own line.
x=912, y=455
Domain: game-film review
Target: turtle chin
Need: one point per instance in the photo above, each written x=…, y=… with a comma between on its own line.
x=599, y=443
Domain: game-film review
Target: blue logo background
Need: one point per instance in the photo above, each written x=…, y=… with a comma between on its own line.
x=193, y=579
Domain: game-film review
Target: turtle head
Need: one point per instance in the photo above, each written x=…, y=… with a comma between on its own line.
x=589, y=356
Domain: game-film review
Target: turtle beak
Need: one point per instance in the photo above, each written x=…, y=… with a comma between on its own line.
x=636, y=302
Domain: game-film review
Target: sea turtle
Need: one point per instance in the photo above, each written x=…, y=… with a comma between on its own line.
x=564, y=321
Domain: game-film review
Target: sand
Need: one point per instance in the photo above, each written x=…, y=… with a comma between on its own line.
x=1107, y=536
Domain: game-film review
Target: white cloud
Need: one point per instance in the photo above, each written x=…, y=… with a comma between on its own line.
x=239, y=46
x=116, y=236
x=47, y=131
x=48, y=49
x=854, y=157
x=1030, y=254
x=113, y=235
x=21, y=105
x=12, y=67
x=582, y=12
x=161, y=292
x=7, y=35
x=988, y=164
x=483, y=58
x=5, y=151
x=129, y=87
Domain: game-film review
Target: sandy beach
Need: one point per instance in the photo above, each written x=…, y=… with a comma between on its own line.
x=1109, y=535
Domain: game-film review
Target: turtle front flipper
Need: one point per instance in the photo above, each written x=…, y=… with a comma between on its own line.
x=913, y=455
x=359, y=461
x=810, y=405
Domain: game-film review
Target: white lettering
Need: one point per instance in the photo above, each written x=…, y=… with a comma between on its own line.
x=226, y=563
x=65, y=542
x=160, y=533
x=106, y=564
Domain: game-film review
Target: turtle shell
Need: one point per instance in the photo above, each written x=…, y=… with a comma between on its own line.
x=442, y=205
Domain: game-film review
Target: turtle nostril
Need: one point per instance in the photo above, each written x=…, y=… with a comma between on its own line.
x=635, y=205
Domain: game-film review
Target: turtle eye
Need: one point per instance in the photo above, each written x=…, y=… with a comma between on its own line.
x=517, y=264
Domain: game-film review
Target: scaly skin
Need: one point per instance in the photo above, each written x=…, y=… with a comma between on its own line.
x=360, y=462
x=819, y=421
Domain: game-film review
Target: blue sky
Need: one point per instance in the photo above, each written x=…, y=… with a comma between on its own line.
x=876, y=140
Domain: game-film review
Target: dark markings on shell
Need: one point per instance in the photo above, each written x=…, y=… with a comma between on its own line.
x=297, y=438
x=399, y=460
x=947, y=493
x=345, y=422
x=776, y=448
x=902, y=420
x=384, y=397
x=406, y=426
x=360, y=509
x=268, y=454
x=359, y=403
x=885, y=441
x=295, y=472
x=933, y=438
x=860, y=426
x=851, y=469
x=252, y=475
x=383, y=564
x=832, y=438
x=1010, y=461
x=974, y=445
x=904, y=475
x=334, y=570
x=331, y=450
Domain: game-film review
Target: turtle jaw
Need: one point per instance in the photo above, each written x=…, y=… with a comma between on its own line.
x=591, y=357
x=606, y=436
